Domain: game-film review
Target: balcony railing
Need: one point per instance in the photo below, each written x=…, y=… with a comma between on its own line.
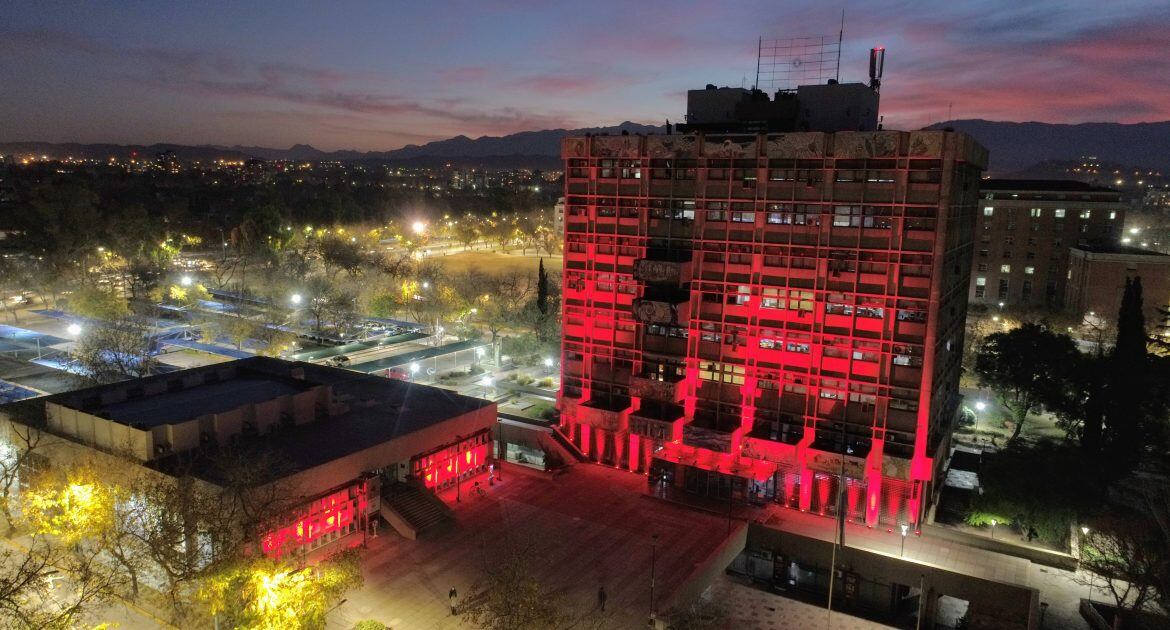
x=651, y=386
x=669, y=312
x=605, y=413
x=662, y=271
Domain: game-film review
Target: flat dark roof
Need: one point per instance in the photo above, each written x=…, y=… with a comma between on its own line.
x=199, y=400
x=1053, y=185
x=1115, y=248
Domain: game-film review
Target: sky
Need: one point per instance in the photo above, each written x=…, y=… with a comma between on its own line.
x=380, y=75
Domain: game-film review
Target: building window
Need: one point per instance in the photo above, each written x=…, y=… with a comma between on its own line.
x=743, y=217
x=1029, y=270
x=983, y=253
x=1005, y=268
x=1086, y=214
x=1035, y=213
x=1058, y=213
x=981, y=267
x=980, y=287
x=1112, y=215
x=1003, y=288
x=988, y=211
x=1026, y=290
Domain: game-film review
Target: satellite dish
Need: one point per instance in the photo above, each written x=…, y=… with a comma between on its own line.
x=430, y=371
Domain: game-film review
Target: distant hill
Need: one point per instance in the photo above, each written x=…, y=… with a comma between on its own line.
x=1014, y=146
x=1017, y=146
x=539, y=149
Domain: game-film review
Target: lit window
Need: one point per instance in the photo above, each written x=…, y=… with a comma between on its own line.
x=1085, y=214
x=1029, y=270
x=1112, y=215
x=1035, y=213
x=1005, y=268
x=988, y=211
x=1059, y=213
x=980, y=282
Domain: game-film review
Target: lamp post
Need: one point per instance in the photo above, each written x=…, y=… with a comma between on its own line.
x=548, y=363
x=653, y=558
x=993, y=524
x=905, y=530
x=186, y=281
x=979, y=407
x=73, y=329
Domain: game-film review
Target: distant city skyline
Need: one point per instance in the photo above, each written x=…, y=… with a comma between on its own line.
x=377, y=76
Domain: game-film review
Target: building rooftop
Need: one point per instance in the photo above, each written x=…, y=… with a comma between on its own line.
x=1115, y=248
x=200, y=400
x=365, y=411
x=1050, y=185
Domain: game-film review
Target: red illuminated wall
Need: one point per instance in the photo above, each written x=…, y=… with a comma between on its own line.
x=742, y=305
x=441, y=467
x=341, y=512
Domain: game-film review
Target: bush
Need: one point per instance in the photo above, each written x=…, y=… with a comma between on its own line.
x=545, y=382
x=370, y=624
x=524, y=379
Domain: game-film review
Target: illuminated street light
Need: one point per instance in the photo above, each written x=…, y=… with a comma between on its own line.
x=1134, y=230
x=296, y=298
x=418, y=227
x=426, y=285
x=185, y=281
x=980, y=405
x=905, y=530
x=413, y=369
x=74, y=329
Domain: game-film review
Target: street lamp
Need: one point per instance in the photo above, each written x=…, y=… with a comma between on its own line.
x=979, y=407
x=295, y=298
x=486, y=382
x=905, y=530
x=418, y=227
x=74, y=329
x=413, y=370
x=548, y=363
x=993, y=524
x=185, y=281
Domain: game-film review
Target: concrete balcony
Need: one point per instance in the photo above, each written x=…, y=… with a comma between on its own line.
x=652, y=270
x=651, y=387
x=666, y=311
x=603, y=413
x=710, y=432
x=656, y=420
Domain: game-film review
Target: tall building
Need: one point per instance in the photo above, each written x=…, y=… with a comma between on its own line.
x=759, y=317
x=1023, y=234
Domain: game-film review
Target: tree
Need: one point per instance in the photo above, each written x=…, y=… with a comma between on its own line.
x=510, y=597
x=1045, y=487
x=18, y=451
x=116, y=351
x=1025, y=367
x=1128, y=372
x=26, y=579
x=542, y=289
x=97, y=303
x=267, y=594
x=1128, y=558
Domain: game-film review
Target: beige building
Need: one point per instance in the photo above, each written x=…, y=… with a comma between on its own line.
x=1097, y=275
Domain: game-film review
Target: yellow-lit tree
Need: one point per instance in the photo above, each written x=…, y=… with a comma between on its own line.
x=267, y=594
x=72, y=504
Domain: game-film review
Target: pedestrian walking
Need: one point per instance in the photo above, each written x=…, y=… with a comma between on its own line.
x=453, y=597
x=601, y=597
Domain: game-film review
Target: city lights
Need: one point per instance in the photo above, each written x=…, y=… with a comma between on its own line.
x=74, y=329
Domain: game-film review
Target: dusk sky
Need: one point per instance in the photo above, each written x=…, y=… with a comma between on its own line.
x=378, y=75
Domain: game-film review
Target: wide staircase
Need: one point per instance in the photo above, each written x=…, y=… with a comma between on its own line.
x=413, y=511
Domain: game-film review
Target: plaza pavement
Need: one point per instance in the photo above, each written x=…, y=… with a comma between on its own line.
x=589, y=527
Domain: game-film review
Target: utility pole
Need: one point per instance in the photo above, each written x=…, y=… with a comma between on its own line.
x=653, y=557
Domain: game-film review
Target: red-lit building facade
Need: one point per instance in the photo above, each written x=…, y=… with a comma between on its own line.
x=337, y=438
x=761, y=317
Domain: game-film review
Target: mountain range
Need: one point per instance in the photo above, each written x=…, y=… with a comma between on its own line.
x=1013, y=145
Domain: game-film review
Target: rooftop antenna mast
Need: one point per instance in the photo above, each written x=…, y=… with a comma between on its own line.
x=759, y=54
x=840, y=40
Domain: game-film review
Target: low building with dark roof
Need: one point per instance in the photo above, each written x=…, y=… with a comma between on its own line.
x=333, y=436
